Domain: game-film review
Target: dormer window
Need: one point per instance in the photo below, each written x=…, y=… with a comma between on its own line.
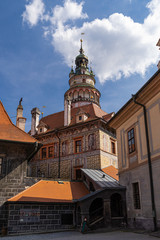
x=40, y=129
x=80, y=118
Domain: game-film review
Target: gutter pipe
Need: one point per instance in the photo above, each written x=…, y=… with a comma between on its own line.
x=59, y=161
x=149, y=162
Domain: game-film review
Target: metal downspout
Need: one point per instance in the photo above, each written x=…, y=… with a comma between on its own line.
x=149, y=163
x=59, y=161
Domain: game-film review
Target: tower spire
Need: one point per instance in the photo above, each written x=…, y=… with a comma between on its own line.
x=81, y=49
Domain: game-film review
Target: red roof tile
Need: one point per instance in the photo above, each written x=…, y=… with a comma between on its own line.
x=52, y=191
x=8, y=131
x=56, y=120
x=111, y=171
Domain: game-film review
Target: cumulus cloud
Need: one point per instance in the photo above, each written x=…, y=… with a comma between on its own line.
x=117, y=46
x=34, y=12
x=70, y=11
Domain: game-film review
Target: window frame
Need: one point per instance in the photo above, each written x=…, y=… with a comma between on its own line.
x=75, y=146
x=48, y=151
x=131, y=138
x=136, y=195
x=45, y=147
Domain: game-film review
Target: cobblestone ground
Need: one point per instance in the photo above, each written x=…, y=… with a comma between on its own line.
x=78, y=236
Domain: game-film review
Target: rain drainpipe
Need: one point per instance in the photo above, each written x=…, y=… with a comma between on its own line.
x=59, y=161
x=149, y=162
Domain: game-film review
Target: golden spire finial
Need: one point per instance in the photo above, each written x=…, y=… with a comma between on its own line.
x=81, y=49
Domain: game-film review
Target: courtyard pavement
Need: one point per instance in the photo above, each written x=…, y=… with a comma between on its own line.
x=120, y=235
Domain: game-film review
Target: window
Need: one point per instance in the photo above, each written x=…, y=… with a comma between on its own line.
x=78, y=146
x=1, y=162
x=50, y=151
x=113, y=147
x=136, y=196
x=131, y=141
x=40, y=130
x=44, y=152
x=80, y=117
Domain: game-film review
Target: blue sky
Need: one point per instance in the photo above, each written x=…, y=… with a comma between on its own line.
x=40, y=39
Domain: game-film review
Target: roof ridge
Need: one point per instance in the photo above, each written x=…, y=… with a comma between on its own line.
x=6, y=112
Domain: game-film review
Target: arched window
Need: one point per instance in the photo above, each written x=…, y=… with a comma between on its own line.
x=86, y=94
x=92, y=95
x=81, y=93
x=75, y=94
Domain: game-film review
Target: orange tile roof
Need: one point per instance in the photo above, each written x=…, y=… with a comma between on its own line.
x=52, y=191
x=111, y=171
x=56, y=120
x=8, y=131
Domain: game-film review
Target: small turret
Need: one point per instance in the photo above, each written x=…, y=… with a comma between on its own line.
x=35, y=120
x=20, y=120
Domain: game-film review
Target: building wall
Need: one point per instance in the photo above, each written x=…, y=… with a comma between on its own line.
x=95, y=153
x=13, y=176
x=133, y=167
x=42, y=217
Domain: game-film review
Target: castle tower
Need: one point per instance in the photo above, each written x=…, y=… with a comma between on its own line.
x=82, y=89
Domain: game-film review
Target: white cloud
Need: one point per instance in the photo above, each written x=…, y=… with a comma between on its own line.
x=70, y=11
x=117, y=46
x=34, y=12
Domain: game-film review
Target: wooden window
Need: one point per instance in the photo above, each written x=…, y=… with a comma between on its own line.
x=136, y=196
x=113, y=147
x=131, y=141
x=78, y=146
x=1, y=162
x=44, y=152
x=50, y=151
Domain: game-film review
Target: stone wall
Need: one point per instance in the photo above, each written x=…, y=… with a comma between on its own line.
x=14, y=172
x=32, y=218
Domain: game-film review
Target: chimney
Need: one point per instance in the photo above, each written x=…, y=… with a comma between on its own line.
x=35, y=120
x=20, y=120
x=158, y=44
x=67, y=111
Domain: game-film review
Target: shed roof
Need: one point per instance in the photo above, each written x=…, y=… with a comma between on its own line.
x=52, y=191
x=111, y=171
x=101, y=178
x=9, y=132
